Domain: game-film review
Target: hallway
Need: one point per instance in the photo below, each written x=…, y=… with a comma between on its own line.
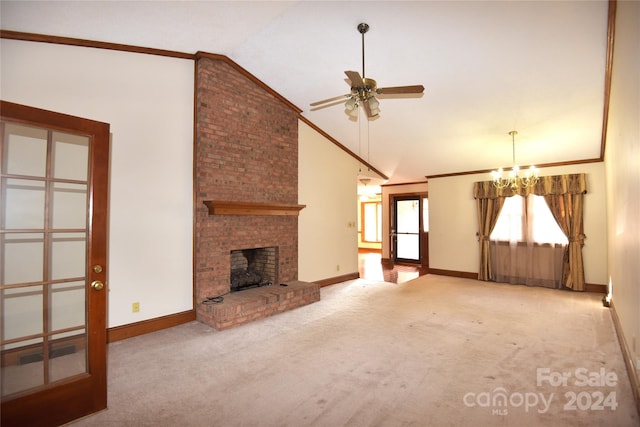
x=370, y=267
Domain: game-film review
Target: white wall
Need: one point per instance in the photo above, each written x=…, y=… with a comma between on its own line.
x=148, y=100
x=453, y=244
x=327, y=227
x=623, y=174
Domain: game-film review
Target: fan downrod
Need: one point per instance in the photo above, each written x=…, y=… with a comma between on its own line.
x=363, y=28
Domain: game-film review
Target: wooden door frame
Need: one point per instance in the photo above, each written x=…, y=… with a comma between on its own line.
x=59, y=404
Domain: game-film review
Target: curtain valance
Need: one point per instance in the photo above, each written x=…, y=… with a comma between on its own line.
x=547, y=185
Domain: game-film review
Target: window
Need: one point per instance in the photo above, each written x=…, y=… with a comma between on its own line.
x=372, y=222
x=527, y=220
x=510, y=222
x=425, y=214
x=545, y=228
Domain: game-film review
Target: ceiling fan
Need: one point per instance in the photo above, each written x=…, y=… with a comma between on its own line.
x=364, y=90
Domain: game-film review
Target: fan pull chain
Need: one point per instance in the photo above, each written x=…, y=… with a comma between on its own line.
x=359, y=133
x=368, y=145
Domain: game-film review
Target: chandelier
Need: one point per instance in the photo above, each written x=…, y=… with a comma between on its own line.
x=514, y=178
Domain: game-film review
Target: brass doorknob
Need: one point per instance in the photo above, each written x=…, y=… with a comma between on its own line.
x=97, y=285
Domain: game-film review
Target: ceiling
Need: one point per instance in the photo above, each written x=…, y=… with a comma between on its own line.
x=488, y=67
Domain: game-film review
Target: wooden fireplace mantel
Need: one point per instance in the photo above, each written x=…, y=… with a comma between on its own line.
x=224, y=207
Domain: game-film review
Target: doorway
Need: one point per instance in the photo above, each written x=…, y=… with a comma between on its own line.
x=409, y=230
x=53, y=250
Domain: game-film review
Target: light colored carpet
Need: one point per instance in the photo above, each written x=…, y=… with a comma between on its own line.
x=435, y=351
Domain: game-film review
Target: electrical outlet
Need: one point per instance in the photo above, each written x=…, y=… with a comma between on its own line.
x=135, y=307
x=338, y=267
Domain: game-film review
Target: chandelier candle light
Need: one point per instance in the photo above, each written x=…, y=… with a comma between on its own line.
x=514, y=179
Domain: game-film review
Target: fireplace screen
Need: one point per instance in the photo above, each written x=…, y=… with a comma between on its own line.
x=253, y=267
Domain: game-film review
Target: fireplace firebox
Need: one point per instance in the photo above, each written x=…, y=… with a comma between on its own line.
x=254, y=267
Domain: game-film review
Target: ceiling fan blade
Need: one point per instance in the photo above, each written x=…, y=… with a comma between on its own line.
x=396, y=90
x=356, y=80
x=327, y=105
x=335, y=98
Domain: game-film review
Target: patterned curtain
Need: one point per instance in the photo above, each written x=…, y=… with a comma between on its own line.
x=564, y=194
x=488, y=212
x=567, y=211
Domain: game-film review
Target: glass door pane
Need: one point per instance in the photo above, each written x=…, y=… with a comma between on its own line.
x=43, y=252
x=407, y=229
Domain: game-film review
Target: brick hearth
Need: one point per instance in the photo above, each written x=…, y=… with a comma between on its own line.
x=246, y=151
x=242, y=307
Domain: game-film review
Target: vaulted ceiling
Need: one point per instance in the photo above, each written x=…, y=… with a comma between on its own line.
x=488, y=67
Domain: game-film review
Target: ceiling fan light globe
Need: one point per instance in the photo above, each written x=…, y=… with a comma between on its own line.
x=373, y=104
x=351, y=104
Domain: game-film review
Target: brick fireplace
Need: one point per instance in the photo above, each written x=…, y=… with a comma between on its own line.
x=246, y=166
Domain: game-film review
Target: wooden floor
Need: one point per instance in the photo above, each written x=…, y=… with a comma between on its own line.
x=371, y=268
